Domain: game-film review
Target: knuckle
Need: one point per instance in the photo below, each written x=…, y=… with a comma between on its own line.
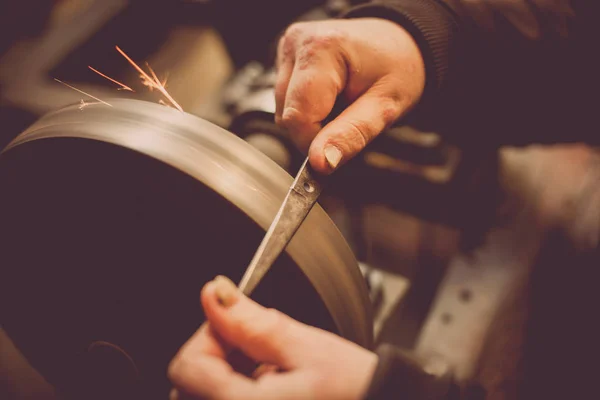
x=294, y=119
x=177, y=367
x=295, y=30
x=398, y=92
x=271, y=330
x=265, y=328
x=390, y=109
x=306, y=57
x=187, y=371
x=287, y=43
x=314, y=44
x=324, y=39
x=359, y=133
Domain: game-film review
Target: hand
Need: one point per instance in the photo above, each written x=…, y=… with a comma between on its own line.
x=314, y=364
x=373, y=62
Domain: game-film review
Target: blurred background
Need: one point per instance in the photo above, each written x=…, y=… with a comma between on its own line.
x=217, y=57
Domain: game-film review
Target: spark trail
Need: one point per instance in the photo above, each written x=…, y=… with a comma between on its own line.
x=122, y=86
x=152, y=82
x=82, y=92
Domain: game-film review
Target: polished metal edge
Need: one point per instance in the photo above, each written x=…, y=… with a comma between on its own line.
x=238, y=172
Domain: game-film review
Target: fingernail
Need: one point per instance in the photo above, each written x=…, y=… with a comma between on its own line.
x=174, y=394
x=333, y=155
x=226, y=291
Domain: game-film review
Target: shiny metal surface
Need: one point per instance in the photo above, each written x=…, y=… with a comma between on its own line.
x=236, y=171
x=298, y=202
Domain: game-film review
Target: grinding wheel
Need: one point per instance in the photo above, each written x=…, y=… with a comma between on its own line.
x=113, y=218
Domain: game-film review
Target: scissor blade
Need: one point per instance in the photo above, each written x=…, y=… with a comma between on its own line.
x=300, y=199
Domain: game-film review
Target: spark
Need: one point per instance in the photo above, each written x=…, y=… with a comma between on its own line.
x=82, y=92
x=123, y=86
x=82, y=105
x=151, y=82
x=154, y=77
x=161, y=101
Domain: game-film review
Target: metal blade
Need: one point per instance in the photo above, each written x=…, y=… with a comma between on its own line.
x=302, y=196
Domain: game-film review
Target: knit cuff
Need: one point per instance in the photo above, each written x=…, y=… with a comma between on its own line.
x=394, y=376
x=400, y=375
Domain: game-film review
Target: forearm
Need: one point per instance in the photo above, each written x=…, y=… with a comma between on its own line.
x=509, y=72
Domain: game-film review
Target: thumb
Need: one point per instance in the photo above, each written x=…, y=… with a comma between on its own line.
x=354, y=128
x=265, y=335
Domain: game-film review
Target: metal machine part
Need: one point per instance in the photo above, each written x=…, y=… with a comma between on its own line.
x=114, y=217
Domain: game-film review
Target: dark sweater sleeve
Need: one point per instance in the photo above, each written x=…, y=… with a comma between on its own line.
x=505, y=71
x=400, y=375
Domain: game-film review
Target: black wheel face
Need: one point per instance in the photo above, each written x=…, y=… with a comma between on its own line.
x=104, y=251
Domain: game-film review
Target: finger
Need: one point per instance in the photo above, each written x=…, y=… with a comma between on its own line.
x=265, y=335
x=285, y=65
x=316, y=80
x=285, y=385
x=203, y=376
x=180, y=395
x=205, y=342
x=212, y=378
x=355, y=127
